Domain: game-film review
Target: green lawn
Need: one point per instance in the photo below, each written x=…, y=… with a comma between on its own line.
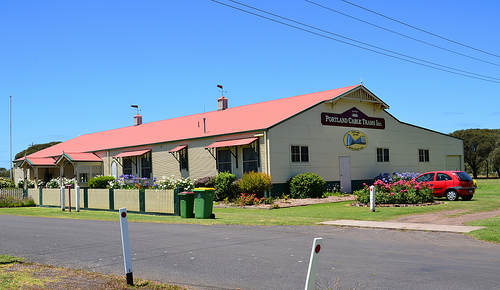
x=487, y=198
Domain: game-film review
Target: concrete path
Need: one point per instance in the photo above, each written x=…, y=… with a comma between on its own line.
x=403, y=226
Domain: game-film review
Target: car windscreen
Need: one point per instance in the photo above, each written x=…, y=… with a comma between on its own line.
x=462, y=176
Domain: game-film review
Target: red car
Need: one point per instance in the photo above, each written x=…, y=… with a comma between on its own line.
x=449, y=184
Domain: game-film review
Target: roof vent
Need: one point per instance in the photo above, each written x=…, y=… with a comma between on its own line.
x=221, y=104
x=137, y=120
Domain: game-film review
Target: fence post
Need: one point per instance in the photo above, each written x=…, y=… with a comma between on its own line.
x=177, y=206
x=111, y=199
x=40, y=196
x=142, y=200
x=62, y=198
x=86, y=198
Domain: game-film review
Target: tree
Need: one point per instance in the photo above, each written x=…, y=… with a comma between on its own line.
x=35, y=148
x=4, y=172
x=478, y=144
x=494, y=157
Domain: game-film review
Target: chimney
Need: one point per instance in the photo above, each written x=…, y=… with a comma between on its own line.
x=137, y=120
x=221, y=104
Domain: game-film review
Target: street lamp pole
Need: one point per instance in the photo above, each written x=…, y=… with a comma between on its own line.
x=10, y=124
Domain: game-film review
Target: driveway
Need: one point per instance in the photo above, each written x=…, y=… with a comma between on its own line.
x=254, y=257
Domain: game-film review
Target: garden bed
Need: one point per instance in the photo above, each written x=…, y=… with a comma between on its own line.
x=398, y=205
x=281, y=203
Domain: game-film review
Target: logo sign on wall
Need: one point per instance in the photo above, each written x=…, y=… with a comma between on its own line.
x=352, y=118
x=355, y=140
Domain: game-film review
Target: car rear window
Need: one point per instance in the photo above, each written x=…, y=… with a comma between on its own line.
x=462, y=176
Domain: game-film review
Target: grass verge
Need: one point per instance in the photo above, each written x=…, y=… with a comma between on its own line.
x=15, y=274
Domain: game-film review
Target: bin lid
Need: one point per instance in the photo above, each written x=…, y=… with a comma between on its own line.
x=186, y=192
x=203, y=188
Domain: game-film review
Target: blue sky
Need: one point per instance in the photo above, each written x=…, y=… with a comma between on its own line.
x=75, y=67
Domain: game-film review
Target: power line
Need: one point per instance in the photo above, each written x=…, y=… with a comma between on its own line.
x=460, y=72
x=401, y=34
x=419, y=29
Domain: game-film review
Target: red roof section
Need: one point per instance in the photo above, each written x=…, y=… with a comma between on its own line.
x=248, y=118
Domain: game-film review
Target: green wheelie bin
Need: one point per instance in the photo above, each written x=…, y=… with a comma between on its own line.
x=203, y=203
x=186, y=199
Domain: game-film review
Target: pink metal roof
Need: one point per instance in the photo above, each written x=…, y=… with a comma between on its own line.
x=132, y=153
x=37, y=161
x=229, y=143
x=73, y=156
x=249, y=118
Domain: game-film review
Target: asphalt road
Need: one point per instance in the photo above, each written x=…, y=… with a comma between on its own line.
x=254, y=257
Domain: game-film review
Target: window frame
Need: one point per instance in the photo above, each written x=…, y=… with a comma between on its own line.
x=253, y=163
x=383, y=155
x=297, y=156
x=423, y=155
x=225, y=163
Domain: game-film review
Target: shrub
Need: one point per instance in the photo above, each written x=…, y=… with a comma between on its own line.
x=223, y=185
x=100, y=181
x=248, y=199
x=9, y=201
x=6, y=183
x=307, y=185
x=208, y=181
x=56, y=182
x=255, y=183
x=399, y=192
x=29, y=183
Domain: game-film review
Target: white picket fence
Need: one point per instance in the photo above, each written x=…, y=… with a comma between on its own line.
x=14, y=192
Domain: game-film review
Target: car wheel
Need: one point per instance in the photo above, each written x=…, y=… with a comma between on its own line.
x=466, y=197
x=452, y=195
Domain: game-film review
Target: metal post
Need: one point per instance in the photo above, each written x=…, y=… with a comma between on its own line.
x=372, y=198
x=10, y=124
x=127, y=257
x=62, y=198
x=313, y=264
x=77, y=205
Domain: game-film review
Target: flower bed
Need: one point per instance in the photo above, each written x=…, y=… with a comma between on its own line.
x=398, y=192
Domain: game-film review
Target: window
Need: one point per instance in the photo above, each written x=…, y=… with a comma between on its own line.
x=127, y=166
x=382, y=155
x=250, y=162
x=299, y=153
x=224, y=161
x=426, y=177
x=423, y=155
x=146, y=166
x=442, y=177
x=183, y=159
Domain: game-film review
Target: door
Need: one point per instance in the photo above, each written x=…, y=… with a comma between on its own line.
x=345, y=173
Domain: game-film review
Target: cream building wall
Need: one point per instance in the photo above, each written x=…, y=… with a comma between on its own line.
x=326, y=145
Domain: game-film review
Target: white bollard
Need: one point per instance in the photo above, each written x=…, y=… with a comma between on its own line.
x=62, y=199
x=127, y=256
x=77, y=193
x=313, y=264
x=372, y=198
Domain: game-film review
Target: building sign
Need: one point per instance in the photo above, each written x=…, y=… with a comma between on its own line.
x=352, y=118
x=355, y=140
